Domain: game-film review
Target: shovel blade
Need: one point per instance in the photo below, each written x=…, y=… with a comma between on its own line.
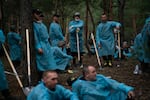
x=27, y=90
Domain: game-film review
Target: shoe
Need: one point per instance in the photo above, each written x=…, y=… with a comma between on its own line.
x=105, y=64
x=136, y=71
x=81, y=66
x=110, y=64
x=70, y=71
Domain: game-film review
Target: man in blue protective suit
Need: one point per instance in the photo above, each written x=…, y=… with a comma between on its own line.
x=48, y=89
x=47, y=57
x=44, y=55
x=126, y=50
x=3, y=81
x=138, y=52
x=93, y=86
x=76, y=27
x=55, y=33
x=146, y=46
x=62, y=59
x=14, y=42
x=105, y=39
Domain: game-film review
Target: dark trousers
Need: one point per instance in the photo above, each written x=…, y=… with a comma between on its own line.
x=107, y=58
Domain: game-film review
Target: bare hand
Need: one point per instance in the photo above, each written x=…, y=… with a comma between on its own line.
x=40, y=51
x=78, y=29
x=131, y=94
x=99, y=46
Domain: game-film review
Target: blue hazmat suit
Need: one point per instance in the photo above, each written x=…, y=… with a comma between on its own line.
x=46, y=60
x=56, y=34
x=137, y=48
x=105, y=37
x=146, y=40
x=102, y=89
x=61, y=58
x=73, y=25
x=14, y=40
x=3, y=81
x=116, y=54
x=127, y=52
x=41, y=92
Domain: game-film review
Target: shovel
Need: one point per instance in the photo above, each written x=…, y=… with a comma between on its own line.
x=29, y=88
x=10, y=73
x=100, y=65
x=25, y=91
x=78, y=48
x=119, y=44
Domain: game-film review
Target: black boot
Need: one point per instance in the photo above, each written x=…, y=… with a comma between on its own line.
x=110, y=60
x=105, y=59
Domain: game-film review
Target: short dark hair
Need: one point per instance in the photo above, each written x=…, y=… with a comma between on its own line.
x=103, y=14
x=85, y=70
x=56, y=15
x=48, y=71
x=12, y=28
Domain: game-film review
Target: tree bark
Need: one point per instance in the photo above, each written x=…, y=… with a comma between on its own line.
x=105, y=6
x=110, y=10
x=1, y=14
x=134, y=25
x=121, y=5
x=26, y=23
x=86, y=27
x=92, y=19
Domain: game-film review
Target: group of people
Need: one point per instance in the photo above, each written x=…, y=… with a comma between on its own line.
x=14, y=57
x=125, y=50
x=89, y=86
x=51, y=55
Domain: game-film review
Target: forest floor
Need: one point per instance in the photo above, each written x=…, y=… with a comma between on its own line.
x=122, y=73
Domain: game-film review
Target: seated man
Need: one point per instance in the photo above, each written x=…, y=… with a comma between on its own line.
x=92, y=86
x=62, y=59
x=48, y=89
x=126, y=51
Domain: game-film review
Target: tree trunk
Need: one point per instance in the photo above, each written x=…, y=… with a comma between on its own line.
x=105, y=6
x=1, y=14
x=92, y=19
x=134, y=25
x=110, y=10
x=56, y=6
x=121, y=5
x=26, y=23
x=88, y=12
x=62, y=16
x=86, y=26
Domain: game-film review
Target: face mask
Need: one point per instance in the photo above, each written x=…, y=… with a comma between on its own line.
x=77, y=19
x=40, y=21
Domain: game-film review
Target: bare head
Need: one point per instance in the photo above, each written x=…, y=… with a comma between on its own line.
x=56, y=18
x=125, y=44
x=50, y=79
x=89, y=73
x=103, y=18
